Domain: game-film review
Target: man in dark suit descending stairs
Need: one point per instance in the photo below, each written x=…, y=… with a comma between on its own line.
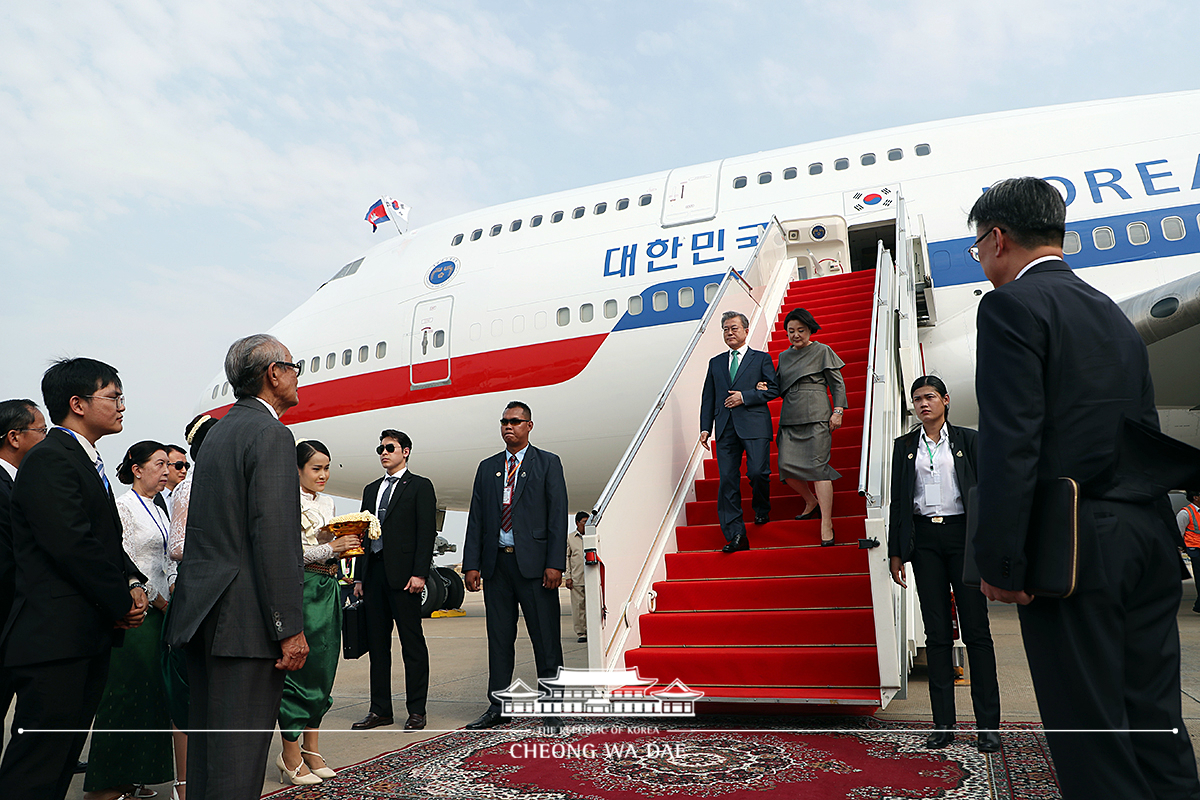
x=735, y=415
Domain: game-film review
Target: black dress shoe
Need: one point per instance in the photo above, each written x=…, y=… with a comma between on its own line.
x=581, y=639
x=940, y=737
x=739, y=542
x=415, y=722
x=763, y=520
x=988, y=742
x=488, y=719
x=814, y=514
x=371, y=720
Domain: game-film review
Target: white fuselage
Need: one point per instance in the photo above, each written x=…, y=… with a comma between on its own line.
x=584, y=318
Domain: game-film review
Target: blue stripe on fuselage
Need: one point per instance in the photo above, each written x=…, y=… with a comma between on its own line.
x=951, y=264
x=673, y=312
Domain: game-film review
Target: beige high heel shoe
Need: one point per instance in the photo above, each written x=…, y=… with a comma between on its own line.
x=323, y=771
x=289, y=775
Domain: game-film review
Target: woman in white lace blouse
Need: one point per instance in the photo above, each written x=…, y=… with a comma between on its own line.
x=135, y=695
x=307, y=691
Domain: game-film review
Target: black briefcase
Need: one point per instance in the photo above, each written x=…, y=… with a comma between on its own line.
x=354, y=628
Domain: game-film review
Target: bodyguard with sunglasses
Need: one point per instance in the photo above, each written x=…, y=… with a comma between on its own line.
x=395, y=570
x=516, y=550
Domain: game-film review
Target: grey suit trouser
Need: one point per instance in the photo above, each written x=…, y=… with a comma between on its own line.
x=234, y=694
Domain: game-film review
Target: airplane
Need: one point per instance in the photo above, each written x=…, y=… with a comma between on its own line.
x=578, y=303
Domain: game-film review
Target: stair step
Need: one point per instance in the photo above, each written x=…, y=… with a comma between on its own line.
x=781, y=533
x=845, y=504
x=743, y=594
x=844, y=456
x=707, y=489
x=773, y=628
x=766, y=667
x=840, y=559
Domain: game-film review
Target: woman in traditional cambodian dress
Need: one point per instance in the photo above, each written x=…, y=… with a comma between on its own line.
x=135, y=696
x=307, y=692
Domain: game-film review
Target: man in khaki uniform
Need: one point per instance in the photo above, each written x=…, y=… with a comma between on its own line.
x=575, y=576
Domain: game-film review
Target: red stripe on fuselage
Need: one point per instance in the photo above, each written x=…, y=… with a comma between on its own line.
x=497, y=371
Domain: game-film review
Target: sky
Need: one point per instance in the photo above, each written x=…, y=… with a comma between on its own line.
x=176, y=175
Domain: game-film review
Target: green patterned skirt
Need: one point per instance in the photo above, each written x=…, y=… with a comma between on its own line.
x=307, y=692
x=135, y=699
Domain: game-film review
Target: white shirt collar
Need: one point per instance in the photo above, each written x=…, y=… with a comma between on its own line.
x=87, y=446
x=941, y=435
x=9, y=468
x=1035, y=262
x=741, y=351
x=270, y=407
x=399, y=474
x=520, y=454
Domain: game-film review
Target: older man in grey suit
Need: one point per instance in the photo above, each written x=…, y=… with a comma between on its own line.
x=237, y=607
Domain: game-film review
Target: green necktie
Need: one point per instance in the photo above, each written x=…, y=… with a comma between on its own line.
x=733, y=365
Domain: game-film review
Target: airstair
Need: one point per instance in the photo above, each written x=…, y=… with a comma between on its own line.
x=787, y=622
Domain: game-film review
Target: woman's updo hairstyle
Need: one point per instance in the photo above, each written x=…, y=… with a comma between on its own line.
x=803, y=317
x=306, y=448
x=138, y=454
x=195, y=432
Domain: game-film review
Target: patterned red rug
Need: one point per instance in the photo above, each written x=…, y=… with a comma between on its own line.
x=815, y=758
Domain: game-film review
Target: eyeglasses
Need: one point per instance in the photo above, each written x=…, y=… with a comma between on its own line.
x=298, y=366
x=514, y=421
x=119, y=399
x=974, y=249
x=42, y=431
x=179, y=465
x=389, y=447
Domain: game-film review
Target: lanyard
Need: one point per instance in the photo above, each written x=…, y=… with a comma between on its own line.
x=932, y=451
x=153, y=518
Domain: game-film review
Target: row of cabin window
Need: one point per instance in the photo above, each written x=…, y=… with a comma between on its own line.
x=557, y=216
x=816, y=168
x=331, y=361
x=1138, y=233
x=660, y=301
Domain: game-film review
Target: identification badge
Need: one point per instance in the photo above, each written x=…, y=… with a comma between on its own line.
x=507, y=495
x=933, y=494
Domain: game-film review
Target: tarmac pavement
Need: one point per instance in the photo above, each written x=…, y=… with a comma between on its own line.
x=458, y=669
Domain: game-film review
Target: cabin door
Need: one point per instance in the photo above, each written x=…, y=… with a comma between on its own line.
x=691, y=194
x=430, y=343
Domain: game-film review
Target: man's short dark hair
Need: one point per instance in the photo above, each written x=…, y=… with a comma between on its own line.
x=74, y=377
x=728, y=315
x=582, y=515
x=400, y=436
x=1030, y=211
x=174, y=448
x=15, y=415
x=520, y=405
x=249, y=359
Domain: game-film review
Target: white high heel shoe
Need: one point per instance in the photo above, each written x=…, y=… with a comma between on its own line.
x=320, y=772
x=289, y=775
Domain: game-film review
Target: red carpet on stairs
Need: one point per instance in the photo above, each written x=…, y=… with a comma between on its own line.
x=787, y=620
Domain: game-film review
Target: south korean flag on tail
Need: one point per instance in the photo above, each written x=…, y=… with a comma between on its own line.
x=875, y=201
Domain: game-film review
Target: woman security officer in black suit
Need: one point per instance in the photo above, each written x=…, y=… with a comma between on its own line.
x=933, y=468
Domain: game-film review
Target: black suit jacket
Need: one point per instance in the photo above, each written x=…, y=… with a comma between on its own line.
x=72, y=573
x=963, y=446
x=243, y=560
x=1059, y=366
x=409, y=528
x=7, y=572
x=539, y=515
x=751, y=420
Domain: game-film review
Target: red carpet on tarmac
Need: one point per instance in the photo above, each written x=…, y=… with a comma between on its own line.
x=620, y=759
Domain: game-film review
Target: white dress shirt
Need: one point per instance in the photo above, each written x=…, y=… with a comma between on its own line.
x=936, y=493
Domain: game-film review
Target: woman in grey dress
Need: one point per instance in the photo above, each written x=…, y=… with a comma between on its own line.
x=808, y=373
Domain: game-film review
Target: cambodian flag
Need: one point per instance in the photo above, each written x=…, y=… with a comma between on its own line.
x=376, y=215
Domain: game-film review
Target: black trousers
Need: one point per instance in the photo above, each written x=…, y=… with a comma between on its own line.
x=1108, y=660
x=937, y=562
x=729, y=449
x=237, y=700
x=504, y=593
x=388, y=605
x=57, y=695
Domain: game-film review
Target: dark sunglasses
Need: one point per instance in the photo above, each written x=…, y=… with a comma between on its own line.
x=514, y=421
x=180, y=465
x=391, y=448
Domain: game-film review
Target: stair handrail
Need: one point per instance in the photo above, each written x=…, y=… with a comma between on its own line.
x=870, y=483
